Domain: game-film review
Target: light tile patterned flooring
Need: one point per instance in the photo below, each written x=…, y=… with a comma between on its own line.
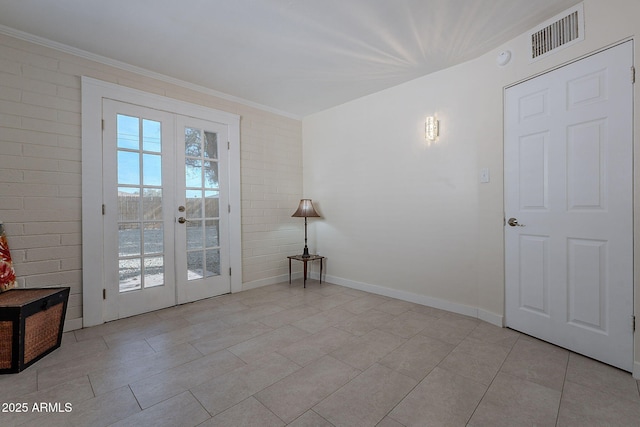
x=322, y=356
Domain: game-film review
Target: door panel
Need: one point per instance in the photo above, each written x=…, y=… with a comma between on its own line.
x=568, y=182
x=534, y=274
x=586, y=166
x=137, y=194
x=533, y=192
x=587, y=266
x=202, y=237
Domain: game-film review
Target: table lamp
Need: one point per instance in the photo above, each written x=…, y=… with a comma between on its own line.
x=305, y=209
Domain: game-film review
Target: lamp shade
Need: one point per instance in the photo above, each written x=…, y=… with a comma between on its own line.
x=305, y=209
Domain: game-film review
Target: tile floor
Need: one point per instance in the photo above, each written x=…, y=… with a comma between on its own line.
x=322, y=356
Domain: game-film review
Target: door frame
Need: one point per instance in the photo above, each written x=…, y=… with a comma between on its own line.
x=93, y=93
x=634, y=177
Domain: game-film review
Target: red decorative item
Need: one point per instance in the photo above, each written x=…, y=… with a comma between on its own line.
x=7, y=273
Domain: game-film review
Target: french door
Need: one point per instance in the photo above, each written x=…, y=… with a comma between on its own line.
x=202, y=261
x=569, y=207
x=166, y=193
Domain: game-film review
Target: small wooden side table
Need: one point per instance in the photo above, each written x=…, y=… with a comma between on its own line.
x=305, y=260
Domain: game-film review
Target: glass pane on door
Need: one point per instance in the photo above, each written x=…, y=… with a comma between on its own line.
x=202, y=194
x=140, y=226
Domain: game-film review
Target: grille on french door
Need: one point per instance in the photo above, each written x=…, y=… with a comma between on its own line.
x=557, y=33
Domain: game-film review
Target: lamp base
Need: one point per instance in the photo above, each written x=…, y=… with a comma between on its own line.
x=305, y=253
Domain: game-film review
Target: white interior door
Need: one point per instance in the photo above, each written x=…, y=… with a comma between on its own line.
x=568, y=190
x=202, y=230
x=166, y=209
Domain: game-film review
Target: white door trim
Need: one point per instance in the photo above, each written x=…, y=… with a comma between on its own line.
x=93, y=92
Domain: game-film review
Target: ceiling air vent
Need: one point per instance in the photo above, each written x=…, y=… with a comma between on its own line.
x=557, y=33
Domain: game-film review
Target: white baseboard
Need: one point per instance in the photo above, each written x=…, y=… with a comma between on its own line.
x=269, y=281
x=72, y=325
x=487, y=316
x=490, y=317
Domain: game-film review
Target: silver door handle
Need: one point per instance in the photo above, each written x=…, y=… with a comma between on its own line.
x=182, y=220
x=514, y=222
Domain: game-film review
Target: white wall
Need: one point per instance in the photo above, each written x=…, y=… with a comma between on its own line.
x=40, y=169
x=412, y=220
x=400, y=213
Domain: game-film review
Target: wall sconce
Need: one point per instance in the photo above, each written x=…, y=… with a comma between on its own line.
x=431, y=128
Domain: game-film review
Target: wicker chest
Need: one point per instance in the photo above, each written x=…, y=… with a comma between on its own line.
x=31, y=322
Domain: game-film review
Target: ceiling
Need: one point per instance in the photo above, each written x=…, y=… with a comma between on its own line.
x=295, y=57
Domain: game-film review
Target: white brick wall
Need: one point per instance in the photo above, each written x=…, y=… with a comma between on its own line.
x=40, y=168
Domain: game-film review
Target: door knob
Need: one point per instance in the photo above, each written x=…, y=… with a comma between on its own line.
x=514, y=222
x=182, y=220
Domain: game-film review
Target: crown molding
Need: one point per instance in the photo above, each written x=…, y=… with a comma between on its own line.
x=21, y=35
